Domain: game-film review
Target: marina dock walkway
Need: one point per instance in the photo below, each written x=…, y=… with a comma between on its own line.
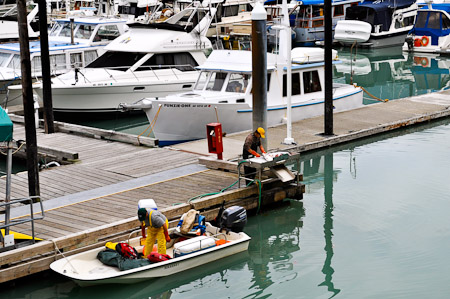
x=108, y=179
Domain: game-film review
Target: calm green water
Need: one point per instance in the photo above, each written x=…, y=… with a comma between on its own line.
x=373, y=224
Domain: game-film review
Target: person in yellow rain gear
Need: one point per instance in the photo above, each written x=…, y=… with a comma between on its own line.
x=252, y=142
x=157, y=229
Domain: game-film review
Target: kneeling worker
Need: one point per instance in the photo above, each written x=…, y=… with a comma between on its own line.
x=157, y=229
x=252, y=142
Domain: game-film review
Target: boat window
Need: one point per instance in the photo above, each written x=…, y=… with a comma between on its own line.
x=434, y=20
x=15, y=62
x=84, y=31
x=65, y=30
x=216, y=81
x=55, y=29
x=106, y=33
x=76, y=60
x=181, y=61
x=230, y=10
x=445, y=22
x=339, y=10
x=295, y=88
x=421, y=19
x=36, y=64
x=311, y=82
x=302, y=24
x=90, y=56
x=58, y=61
x=237, y=83
x=201, y=81
x=117, y=60
x=317, y=11
x=4, y=57
x=317, y=23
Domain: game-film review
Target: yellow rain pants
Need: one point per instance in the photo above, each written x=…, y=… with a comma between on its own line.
x=155, y=234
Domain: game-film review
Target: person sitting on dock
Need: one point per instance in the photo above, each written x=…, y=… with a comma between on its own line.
x=157, y=229
x=251, y=144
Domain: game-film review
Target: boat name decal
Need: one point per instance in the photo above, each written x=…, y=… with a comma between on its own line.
x=171, y=265
x=187, y=105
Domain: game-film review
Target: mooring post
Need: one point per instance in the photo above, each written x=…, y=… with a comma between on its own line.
x=28, y=102
x=259, y=69
x=45, y=62
x=328, y=106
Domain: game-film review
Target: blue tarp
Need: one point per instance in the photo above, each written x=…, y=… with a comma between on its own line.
x=6, y=126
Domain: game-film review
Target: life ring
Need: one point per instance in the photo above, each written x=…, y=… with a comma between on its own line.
x=425, y=41
x=309, y=11
x=424, y=61
x=400, y=17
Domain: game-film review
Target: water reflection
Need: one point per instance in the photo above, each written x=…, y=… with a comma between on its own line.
x=270, y=252
x=328, y=226
x=392, y=74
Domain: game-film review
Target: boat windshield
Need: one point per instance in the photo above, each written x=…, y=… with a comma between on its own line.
x=121, y=61
x=4, y=57
x=216, y=81
x=237, y=83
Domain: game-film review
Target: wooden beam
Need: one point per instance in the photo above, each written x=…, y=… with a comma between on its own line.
x=95, y=132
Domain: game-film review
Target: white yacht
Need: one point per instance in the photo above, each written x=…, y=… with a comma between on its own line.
x=377, y=23
x=72, y=44
x=223, y=93
x=150, y=60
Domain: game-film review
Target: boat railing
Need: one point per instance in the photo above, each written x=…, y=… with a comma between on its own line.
x=30, y=201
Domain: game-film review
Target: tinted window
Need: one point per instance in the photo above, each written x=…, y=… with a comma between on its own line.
x=117, y=60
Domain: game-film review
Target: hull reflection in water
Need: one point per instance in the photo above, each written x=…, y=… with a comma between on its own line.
x=392, y=74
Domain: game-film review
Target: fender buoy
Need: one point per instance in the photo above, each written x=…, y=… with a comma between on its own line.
x=417, y=42
x=425, y=41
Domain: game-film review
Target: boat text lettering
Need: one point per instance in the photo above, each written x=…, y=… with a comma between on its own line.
x=171, y=265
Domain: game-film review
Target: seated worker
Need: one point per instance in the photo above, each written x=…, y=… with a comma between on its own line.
x=252, y=142
x=157, y=229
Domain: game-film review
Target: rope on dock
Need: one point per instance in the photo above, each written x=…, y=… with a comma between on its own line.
x=152, y=125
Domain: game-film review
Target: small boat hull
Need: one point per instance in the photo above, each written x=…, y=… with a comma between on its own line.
x=85, y=269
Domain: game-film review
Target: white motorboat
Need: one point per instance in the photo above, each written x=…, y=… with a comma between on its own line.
x=223, y=94
x=150, y=60
x=430, y=34
x=376, y=24
x=9, y=30
x=85, y=269
x=90, y=36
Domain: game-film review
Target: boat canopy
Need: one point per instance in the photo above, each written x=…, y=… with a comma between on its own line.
x=6, y=126
x=433, y=22
x=376, y=12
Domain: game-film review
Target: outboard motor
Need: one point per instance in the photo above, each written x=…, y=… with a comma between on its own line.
x=233, y=219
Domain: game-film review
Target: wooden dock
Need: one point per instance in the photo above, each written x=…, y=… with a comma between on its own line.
x=93, y=196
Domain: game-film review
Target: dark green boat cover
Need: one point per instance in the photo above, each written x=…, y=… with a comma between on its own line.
x=6, y=126
x=113, y=258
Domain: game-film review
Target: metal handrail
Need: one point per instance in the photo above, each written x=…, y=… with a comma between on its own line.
x=31, y=219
